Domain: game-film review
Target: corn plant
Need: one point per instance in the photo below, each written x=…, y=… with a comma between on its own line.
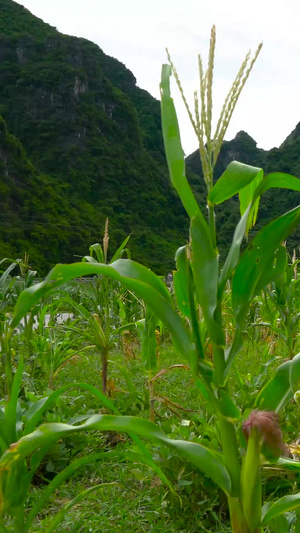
x=199, y=285
x=10, y=288
x=54, y=348
x=281, y=305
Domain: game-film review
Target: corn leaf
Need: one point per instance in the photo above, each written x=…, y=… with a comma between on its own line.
x=246, y=197
x=256, y=259
x=180, y=280
x=97, y=248
x=37, y=410
x=122, y=249
x=207, y=461
x=277, y=180
x=234, y=252
x=185, y=296
x=283, y=505
x=173, y=148
x=9, y=424
x=149, y=341
x=281, y=387
x=205, y=269
x=135, y=277
x=289, y=464
x=235, y=178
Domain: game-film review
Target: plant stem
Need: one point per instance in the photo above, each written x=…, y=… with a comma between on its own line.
x=6, y=358
x=104, y=361
x=19, y=523
x=151, y=397
x=231, y=454
x=237, y=518
x=212, y=224
x=219, y=364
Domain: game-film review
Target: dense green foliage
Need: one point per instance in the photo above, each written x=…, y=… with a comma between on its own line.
x=35, y=214
x=83, y=121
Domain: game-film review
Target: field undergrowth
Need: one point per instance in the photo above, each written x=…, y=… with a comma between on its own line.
x=137, y=500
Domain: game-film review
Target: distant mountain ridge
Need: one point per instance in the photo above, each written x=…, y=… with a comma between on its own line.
x=93, y=141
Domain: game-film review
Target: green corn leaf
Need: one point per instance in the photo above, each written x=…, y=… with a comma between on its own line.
x=279, y=524
x=116, y=332
x=173, y=148
x=10, y=422
x=209, y=462
x=256, y=259
x=7, y=272
x=149, y=341
x=135, y=277
x=288, y=464
x=180, y=280
x=246, y=198
x=205, y=270
x=235, y=178
x=121, y=270
x=274, y=270
x=277, y=180
x=227, y=407
x=97, y=248
x=281, y=387
x=122, y=249
x=185, y=295
x=283, y=505
x=234, y=252
x=37, y=410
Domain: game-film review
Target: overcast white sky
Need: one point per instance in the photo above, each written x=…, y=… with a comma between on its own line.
x=137, y=31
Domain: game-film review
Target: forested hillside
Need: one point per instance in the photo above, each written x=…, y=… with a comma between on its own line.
x=83, y=143
x=83, y=121
x=36, y=214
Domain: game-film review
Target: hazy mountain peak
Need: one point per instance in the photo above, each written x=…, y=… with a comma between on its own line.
x=294, y=135
x=244, y=136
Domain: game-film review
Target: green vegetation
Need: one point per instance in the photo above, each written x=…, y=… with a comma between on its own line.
x=165, y=410
x=203, y=448
x=83, y=121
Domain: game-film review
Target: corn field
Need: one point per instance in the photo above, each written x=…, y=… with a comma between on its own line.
x=193, y=387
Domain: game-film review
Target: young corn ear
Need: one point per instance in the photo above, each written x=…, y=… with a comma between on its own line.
x=263, y=435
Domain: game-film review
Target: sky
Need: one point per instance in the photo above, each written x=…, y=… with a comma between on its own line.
x=136, y=32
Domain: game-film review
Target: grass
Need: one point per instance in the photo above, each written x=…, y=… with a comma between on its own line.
x=138, y=501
